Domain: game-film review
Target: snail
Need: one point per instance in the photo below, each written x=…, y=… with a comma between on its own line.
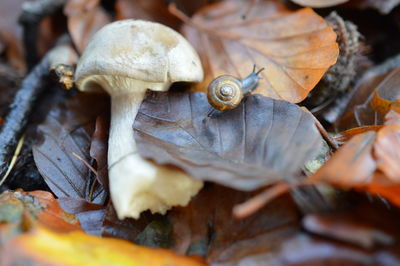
x=226, y=92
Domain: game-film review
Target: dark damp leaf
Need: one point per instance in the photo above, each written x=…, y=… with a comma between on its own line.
x=260, y=142
x=60, y=157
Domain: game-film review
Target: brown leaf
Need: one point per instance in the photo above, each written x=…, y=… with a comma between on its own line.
x=99, y=148
x=66, y=131
x=90, y=215
x=84, y=19
x=319, y=3
x=368, y=162
x=207, y=227
x=273, y=237
x=374, y=95
x=25, y=210
x=260, y=142
x=295, y=47
x=348, y=230
x=152, y=10
x=128, y=228
x=345, y=136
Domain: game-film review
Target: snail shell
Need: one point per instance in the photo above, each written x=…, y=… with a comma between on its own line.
x=225, y=92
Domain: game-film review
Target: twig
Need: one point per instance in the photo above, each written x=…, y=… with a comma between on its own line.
x=14, y=159
x=331, y=141
x=30, y=18
x=31, y=88
x=85, y=163
x=251, y=206
x=91, y=192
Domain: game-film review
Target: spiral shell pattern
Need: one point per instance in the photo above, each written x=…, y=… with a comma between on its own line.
x=225, y=93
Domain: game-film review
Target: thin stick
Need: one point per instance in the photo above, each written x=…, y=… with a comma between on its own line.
x=91, y=169
x=14, y=159
x=249, y=207
x=85, y=163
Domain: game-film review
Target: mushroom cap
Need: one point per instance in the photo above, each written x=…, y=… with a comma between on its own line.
x=137, y=50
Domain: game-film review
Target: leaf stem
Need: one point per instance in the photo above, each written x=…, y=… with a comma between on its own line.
x=329, y=140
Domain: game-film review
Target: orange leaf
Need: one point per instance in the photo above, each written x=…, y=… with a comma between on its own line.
x=348, y=134
x=44, y=247
x=387, y=151
x=351, y=165
x=374, y=96
x=368, y=162
x=26, y=209
x=295, y=47
x=391, y=193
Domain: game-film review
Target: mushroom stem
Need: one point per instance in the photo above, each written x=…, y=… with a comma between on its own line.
x=124, y=108
x=137, y=184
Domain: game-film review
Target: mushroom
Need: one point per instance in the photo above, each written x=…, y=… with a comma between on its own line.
x=125, y=58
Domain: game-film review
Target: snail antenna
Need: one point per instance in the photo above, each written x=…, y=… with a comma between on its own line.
x=259, y=71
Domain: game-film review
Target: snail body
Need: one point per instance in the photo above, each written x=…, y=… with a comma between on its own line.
x=226, y=92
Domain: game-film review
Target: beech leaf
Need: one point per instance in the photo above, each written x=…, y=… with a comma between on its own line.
x=295, y=47
x=260, y=142
x=67, y=131
x=353, y=164
x=374, y=95
x=85, y=18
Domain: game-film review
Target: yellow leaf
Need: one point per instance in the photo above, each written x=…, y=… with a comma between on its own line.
x=44, y=247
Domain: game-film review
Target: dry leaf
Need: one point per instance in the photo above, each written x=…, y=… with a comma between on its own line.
x=84, y=19
x=373, y=96
x=206, y=227
x=67, y=131
x=99, y=148
x=349, y=230
x=319, y=3
x=260, y=142
x=90, y=215
x=345, y=136
x=295, y=48
x=368, y=162
x=44, y=247
x=151, y=10
x=128, y=228
x=387, y=151
x=351, y=165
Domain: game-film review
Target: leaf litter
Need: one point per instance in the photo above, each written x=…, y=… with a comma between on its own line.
x=297, y=46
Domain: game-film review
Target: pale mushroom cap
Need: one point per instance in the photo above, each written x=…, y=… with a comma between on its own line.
x=138, y=50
